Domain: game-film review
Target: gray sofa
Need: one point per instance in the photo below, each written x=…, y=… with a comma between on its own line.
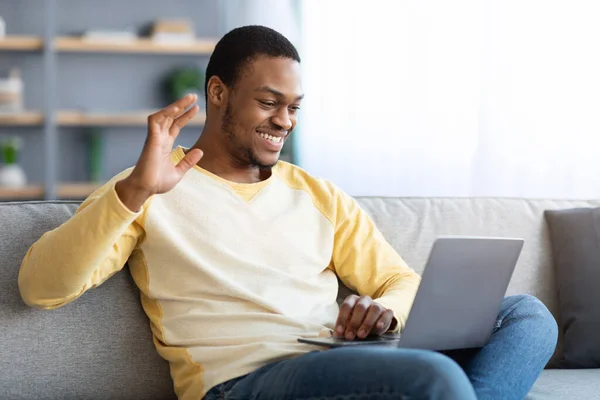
x=100, y=346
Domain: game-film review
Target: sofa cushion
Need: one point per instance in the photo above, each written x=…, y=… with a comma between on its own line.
x=555, y=384
x=575, y=235
x=99, y=346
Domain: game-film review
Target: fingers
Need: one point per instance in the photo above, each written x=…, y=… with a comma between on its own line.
x=383, y=323
x=175, y=109
x=358, y=315
x=361, y=316
x=164, y=118
x=368, y=324
x=182, y=120
x=344, y=315
x=190, y=159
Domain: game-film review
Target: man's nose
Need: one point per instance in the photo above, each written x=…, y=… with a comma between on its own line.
x=282, y=119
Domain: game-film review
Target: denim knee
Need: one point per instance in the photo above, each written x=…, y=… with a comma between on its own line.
x=543, y=325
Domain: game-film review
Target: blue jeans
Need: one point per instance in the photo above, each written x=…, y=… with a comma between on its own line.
x=523, y=340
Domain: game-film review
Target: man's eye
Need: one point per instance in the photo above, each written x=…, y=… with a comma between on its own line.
x=267, y=103
x=295, y=108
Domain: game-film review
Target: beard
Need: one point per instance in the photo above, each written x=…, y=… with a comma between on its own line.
x=243, y=153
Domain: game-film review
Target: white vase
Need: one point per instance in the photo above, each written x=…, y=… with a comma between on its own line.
x=2, y=27
x=12, y=176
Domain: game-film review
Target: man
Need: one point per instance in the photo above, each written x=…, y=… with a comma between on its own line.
x=237, y=255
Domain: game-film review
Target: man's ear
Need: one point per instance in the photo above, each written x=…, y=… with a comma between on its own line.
x=217, y=92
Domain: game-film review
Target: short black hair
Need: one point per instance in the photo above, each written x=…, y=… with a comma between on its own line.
x=241, y=46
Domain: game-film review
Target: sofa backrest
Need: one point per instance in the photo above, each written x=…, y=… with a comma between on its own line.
x=100, y=346
x=412, y=224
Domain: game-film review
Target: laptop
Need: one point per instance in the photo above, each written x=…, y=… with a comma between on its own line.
x=457, y=303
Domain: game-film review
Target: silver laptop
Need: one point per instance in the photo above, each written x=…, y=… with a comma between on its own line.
x=459, y=298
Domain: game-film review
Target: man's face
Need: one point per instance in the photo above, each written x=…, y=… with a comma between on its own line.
x=261, y=110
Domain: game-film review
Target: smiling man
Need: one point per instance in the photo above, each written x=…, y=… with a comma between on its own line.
x=238, y=255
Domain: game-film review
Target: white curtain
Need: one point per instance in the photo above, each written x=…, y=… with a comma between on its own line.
x=281, y=15
x=452, y=98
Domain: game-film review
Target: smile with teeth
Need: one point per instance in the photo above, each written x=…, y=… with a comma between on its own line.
x=274, y=139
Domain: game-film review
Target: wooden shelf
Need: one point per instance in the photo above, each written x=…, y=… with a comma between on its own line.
x=79, y=45
x=21, y=43
x=31, y=192
x=76, y=118
x=76, y=190
x=27, y=118
x=76, y=44
x=137, y=118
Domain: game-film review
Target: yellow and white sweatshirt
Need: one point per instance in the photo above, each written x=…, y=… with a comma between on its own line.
x=230, y=274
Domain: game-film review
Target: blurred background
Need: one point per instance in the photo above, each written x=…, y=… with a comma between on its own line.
x=403, y=98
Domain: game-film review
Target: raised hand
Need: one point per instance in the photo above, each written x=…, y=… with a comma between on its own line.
x=155, y=173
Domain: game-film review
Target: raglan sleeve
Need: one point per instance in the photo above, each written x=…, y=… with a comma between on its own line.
x=82, y=253
x=367, y=264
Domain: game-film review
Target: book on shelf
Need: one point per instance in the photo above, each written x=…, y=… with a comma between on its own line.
x=106, y=36
x=173, y=32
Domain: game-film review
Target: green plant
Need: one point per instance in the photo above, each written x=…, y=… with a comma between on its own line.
x=9, y=148
x=185, y=80
x=95, y=153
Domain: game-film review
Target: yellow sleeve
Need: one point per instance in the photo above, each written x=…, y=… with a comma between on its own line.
x=367, y=264
x=83, y=252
